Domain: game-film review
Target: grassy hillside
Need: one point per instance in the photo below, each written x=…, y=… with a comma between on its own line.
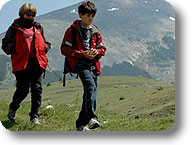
x=124, y=104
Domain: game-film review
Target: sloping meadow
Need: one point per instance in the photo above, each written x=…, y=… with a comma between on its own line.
x=123, y=104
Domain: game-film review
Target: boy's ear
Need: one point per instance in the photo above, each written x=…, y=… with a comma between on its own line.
x=80, y=15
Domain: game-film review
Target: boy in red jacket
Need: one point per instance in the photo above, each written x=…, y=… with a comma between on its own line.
x=83, y=47
x=25, y=41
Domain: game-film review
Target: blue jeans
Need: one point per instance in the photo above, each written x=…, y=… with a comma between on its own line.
x=89, y=80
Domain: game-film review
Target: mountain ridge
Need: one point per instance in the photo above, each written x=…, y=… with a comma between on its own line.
x=140, y=32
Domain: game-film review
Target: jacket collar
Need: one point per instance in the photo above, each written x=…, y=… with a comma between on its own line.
x=77, y=24
x=16, y=24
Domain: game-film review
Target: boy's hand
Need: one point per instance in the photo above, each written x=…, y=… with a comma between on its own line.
x=94, y=52
x=90, y=54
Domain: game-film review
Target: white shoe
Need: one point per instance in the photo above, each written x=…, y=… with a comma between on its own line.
x=93, y=123
x=83, y=128
x=11, y=115
x=35, y=121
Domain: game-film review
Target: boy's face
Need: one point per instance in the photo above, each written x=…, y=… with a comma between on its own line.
x=29, y=16
x=87, y=19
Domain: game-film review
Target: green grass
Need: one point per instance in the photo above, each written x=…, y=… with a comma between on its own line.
x=123, y=104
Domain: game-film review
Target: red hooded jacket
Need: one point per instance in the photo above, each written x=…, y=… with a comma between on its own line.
x=73, y=54
x=19, y=50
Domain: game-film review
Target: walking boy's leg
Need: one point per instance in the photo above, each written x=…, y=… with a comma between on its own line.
x=93, y=123
x=22, y=90
x=89, y=98
x=81, y=119
x=36, y=93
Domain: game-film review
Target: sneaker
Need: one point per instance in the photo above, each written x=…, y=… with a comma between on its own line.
x=11, y=115
x=35, y=121
x=93, y=123
x=83, y=128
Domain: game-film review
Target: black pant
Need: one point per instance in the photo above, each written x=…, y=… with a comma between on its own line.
x=31, y=77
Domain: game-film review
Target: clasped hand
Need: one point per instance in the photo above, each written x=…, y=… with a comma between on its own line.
x=90, y=54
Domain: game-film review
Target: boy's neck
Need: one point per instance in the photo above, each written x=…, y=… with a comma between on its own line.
x=86, y=26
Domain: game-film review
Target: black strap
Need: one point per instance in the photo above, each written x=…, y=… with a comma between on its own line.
x=64, y=80
x=67, y=67
x=74, y=33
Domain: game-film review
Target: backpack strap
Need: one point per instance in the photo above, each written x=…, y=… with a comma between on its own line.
x=47, y=44
x=95, y=32
x=67, y=67
x=74, y=33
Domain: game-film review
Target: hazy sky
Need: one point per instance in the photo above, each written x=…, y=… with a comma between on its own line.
x=9, y=11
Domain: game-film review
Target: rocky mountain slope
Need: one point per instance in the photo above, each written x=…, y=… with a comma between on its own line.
x=139, y=36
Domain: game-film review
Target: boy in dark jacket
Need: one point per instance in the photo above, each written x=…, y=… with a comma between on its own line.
x=83, y=47
x=25, y=41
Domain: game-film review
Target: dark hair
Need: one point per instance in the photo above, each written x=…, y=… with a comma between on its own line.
x=87, y=7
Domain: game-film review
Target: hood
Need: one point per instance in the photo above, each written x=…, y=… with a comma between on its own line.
x=19, y=23
x=16, y=23
x=76, y=25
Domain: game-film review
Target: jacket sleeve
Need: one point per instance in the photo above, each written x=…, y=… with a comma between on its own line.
x=47, y=44
x=67, y=48
x=100, y=47
x=8, y=42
